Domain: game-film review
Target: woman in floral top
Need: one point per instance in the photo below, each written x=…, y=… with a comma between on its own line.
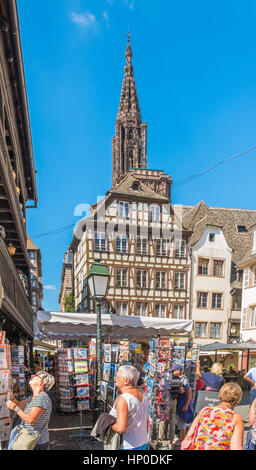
x=218, y=427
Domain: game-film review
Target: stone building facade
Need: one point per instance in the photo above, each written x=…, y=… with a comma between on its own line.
x=129, y=146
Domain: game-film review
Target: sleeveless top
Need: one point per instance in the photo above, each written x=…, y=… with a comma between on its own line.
x=136, y=432
x=215, y=429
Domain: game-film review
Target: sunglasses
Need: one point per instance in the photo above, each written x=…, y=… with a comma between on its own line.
x=36, y=375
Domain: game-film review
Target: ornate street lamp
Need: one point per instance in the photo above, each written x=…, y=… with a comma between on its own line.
x=98, y=283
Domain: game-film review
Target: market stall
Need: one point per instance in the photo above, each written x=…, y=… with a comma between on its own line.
x=244, y=349
x=76, y=385
x=58, y=325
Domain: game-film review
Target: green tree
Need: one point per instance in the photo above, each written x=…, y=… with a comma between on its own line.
x=69, y=303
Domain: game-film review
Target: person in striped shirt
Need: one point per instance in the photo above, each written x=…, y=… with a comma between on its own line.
x=35, y=412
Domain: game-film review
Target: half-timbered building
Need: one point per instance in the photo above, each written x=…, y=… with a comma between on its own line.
x=17, y=182
x=134, y=229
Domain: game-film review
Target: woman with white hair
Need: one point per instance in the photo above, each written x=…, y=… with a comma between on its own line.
x=130, y=410
x=35, y=413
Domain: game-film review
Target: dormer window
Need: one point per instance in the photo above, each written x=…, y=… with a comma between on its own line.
x=135, y=186
x=241, y=229
x=211, y=237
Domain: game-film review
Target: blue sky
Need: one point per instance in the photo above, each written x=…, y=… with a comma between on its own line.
x=194, y=66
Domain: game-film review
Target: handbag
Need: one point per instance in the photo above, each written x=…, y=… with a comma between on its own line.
x=26, y=440
x=189, y=442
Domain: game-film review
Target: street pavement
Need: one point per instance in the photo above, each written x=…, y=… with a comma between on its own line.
x=63, y=426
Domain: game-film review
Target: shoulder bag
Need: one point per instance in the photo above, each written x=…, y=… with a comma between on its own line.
x=26, y=440
x=189, y=442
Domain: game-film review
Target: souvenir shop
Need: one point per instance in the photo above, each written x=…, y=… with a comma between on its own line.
x=14, y=375
x=143, y=342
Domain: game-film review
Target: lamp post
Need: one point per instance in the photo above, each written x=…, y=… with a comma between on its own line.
x=98, y=283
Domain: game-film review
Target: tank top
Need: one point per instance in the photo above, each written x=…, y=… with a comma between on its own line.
x=215, y=429
x=136, y=432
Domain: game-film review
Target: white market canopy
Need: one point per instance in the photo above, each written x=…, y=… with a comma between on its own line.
x=63, y=325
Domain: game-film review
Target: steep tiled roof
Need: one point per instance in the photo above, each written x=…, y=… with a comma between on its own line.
x=196, y=218
x=30, y=244
x=125, y=187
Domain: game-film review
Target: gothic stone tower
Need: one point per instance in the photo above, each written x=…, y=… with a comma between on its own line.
x=129, y=146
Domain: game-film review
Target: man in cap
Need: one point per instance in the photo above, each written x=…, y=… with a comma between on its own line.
x=168, y=426
x=183, y=402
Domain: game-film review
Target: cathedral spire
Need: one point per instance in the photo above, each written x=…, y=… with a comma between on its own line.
x=129, y=146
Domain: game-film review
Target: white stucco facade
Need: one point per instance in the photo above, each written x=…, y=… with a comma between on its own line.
x=210, y=286
x=248, y=318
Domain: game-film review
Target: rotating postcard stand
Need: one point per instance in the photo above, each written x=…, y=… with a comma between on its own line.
x=82, y=434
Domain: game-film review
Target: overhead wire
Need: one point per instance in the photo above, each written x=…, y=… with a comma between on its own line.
x=196, y=175
x=179, y=183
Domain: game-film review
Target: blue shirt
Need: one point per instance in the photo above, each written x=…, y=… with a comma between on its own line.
x=252, y=374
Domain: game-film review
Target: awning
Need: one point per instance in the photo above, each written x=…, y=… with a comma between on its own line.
x=247, y=345
x=42, y=349
x=63, y=325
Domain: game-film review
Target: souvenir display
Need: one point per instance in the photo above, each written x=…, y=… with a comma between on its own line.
x=192, y=356
x=5, y=384
x=2, y=337
x=111, y=363
x=17, y=370
x=75, y=380
x=162, y=355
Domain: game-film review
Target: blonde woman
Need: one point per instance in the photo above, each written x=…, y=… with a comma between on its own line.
x=35, y=412
x=218, y=427
x=213, y=380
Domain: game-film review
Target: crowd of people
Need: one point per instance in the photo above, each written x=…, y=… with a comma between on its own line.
x=215, y=427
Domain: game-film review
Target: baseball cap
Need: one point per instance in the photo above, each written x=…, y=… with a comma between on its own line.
x=176, y=367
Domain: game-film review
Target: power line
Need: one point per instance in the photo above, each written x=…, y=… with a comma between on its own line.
x=185, y=180
x=196, y=175
x=53, y=232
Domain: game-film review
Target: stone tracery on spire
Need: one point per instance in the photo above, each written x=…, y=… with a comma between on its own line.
x=129, y=146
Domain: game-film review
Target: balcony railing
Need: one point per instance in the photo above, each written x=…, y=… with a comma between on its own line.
x=15, y=301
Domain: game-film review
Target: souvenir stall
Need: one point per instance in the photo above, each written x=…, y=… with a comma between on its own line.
x=118, y=333
x=163, y=354
x=12, y=376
